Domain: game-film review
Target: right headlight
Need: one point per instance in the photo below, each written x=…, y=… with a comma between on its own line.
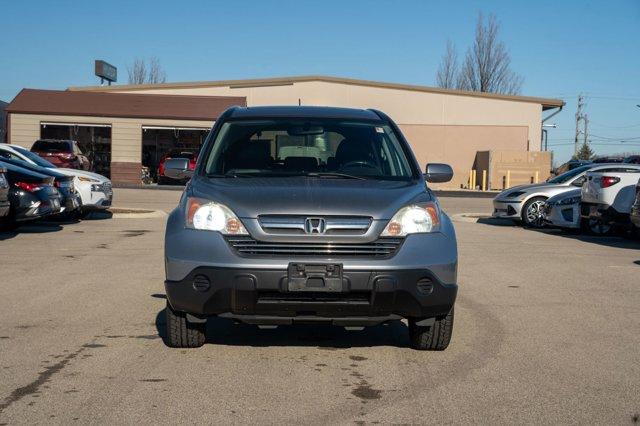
x=208, y=215
x=414, y=219
x=568, y=201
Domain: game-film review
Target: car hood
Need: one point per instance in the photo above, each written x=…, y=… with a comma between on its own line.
x=542, y=187
x=251, y=197
x=75, y=172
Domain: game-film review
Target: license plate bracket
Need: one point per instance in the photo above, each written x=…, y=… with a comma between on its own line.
x=314, y=277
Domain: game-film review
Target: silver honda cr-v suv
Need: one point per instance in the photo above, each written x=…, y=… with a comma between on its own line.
x=309, y=215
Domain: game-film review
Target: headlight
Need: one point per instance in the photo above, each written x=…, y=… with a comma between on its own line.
x=514, y=194
x=567, y=201
x=413, y=219
x=87, y=179
x=211, y=216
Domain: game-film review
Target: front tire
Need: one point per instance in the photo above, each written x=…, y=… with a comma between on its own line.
x=182, y=333
x=532, y=216
x=431, y=338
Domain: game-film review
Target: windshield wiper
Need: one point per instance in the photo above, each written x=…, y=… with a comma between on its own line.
x=334, y=175
x=218, y=175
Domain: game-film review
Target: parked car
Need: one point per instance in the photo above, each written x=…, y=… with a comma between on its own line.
x=32, y=195
x=524, y=203
x=70, y=201
x=188, y=156
x=4, y=194
x=609, y=159
x=635, y=210
x=570, y=165
x=95, y=190
x=563, y=210
x=607, y=195
x=62, y=153
x=346, y=233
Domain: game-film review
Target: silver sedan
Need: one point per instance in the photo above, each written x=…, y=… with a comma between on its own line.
x=525, y=203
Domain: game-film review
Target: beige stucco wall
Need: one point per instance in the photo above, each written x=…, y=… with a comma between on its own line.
x=404, y=106
x=126, y=133
x=457, y=145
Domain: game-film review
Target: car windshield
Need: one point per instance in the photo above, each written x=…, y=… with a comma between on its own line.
x=52, y=146
x=567, y=176
x=285, y=147
x=34, y=157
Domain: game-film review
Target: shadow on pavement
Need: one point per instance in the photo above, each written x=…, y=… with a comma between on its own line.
x=496, y=221
x=98, y=215
x=617, y=241
x=221, y=331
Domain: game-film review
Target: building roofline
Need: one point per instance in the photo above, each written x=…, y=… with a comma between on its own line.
x=547, y=103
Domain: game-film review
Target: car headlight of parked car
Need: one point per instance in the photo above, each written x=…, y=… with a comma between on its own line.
x=211, y=216
x=514, y=194
x=568, y=201
x=414, y=219
x=87, y=179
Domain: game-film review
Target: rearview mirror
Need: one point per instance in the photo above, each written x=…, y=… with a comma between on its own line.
x=177, y=168
x=438, y=172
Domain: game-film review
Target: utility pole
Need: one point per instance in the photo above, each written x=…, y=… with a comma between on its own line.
x=586, y=131
x=579, y=117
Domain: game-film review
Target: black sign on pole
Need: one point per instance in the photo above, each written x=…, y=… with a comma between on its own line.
x=106, y=71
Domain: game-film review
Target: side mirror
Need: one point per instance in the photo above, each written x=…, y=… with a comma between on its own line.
x=438, y=172
x=178, y=169
x=578, y=182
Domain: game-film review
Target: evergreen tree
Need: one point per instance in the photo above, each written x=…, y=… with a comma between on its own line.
x=584, y=153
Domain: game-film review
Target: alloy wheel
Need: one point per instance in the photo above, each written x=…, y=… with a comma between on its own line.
x=535, y=214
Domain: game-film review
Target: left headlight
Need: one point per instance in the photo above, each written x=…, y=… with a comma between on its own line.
x=211, y=216
x=414, y=219
x=514, y=194
x=87, y=179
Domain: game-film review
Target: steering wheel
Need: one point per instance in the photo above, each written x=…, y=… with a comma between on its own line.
x=359, y=163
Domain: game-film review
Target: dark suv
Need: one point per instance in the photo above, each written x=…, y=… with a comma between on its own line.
x=310, y=215
x=61, y=153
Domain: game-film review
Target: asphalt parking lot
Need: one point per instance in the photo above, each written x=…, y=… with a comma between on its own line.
x=546, y=331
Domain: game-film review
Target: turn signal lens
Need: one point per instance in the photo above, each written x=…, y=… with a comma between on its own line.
x=210, y=216
x=414, y=219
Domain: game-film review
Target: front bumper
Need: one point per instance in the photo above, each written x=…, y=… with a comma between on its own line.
x=262, y=296
x=562, y=216
x=507, y=209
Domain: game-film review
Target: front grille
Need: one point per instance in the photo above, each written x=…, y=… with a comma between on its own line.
x=333, y=225
x=363, y=298
x=247, y=246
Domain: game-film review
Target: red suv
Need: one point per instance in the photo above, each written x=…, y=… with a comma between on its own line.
x=186, y=153
x=61, y=153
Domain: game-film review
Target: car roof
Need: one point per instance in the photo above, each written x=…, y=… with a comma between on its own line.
x=303, y=112
x=598, y=166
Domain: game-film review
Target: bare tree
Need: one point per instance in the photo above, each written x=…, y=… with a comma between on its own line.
x=486, y=66
x=156, y=73
x=137, y=72
x=447, y=75
x=140, y=73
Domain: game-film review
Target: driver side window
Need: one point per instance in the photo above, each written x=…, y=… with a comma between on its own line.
x=579, y=181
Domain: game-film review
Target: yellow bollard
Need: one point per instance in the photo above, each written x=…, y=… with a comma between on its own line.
x=484, y=180
x=508, y=178
x=470, y=179
x=537, y=176
x=474, y=180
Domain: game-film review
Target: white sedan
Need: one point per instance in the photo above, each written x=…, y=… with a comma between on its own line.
x=94, y=190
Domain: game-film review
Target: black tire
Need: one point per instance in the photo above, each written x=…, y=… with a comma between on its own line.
x=431, y=338
x=595, y=227
x=536, y=223
x=182, y=333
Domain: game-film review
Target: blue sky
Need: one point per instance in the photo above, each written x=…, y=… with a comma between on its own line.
x=562, y=48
